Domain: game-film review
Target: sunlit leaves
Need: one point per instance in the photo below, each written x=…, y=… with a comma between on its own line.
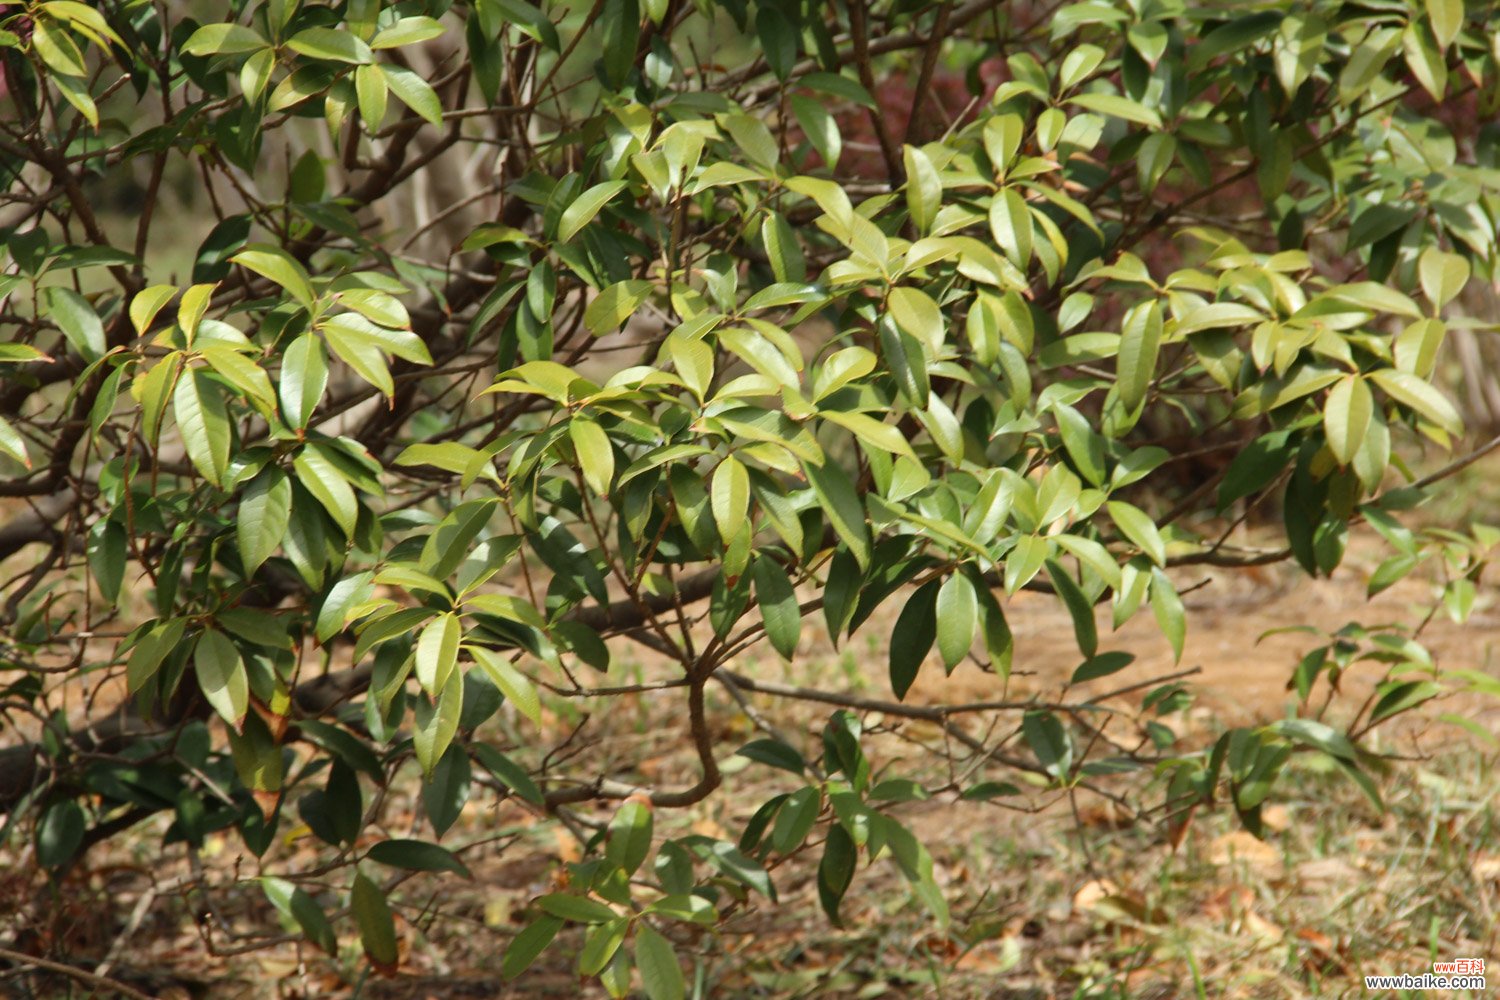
x=203, y=417
x=221, y=676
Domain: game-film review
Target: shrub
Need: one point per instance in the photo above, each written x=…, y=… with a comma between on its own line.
x=377, y=372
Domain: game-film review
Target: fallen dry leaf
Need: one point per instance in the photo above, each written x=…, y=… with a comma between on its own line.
x=1275, y=818
x=1324, y=872
x=1241, y=847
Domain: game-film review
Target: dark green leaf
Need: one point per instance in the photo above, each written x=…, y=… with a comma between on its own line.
x=418, y=856
x=911, y=640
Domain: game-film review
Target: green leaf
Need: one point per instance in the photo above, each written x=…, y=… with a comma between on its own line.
x=418, y=856
x=1400, y=696
x=77, y=320
x=280, y=267
x=106, y=555
x=198, y=405
x=1049, y=741
x=446, y=790
x=1024, y=561
x=1010, y=222
x=774, y=753
x=146, y=304
x=957, y=616
x=579, y=909
x=869, y=432
x=1137, y=526
x=1443, y=275
x=583, y=209
x=453, y=541
x=59, y=833
x=836, y=871
x=778, y=605
x=415, y=92
x=1101, y=665
x=630, y=836
x=795, y=819
x=1140, y=342
x=508, y=772
x=371, y=91
x=408, y=31
x=912, y=638
x=1316, y=734
x=295, y=904
x=223, y=39
x=516, y=687
x=319, y=473
x=437, y=652
x=377, y=929
x=1084, y=445
x=916, y=313
x=596, y=456
x=657, y=962
x=1166, y=605
x=436, y=724
x=1118, y=107
x=1447, y=19
x=149, y=651
x=1413, y=392
x=924, y=189
x=602, y=943
x=614, y=305
x=244, y=374
x=57, y=49
x=1346, y=414
x=221, y=676
x=822, y=130
x=532, y=940
x=842, y=506
x=20, y=354
x=13, y=444
x=1079, y=608
x=1232, y=36
x=328, y=43
x=344, y=596
x=304, y=377
x=729, y=495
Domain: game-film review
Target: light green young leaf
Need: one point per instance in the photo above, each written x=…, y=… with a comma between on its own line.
x=1443, y=275
x=1346, y=414
x=223, y=39
x=516, y=686
x=924, y=189
x=1411, y=391
x=437, y=652
x=596, y=456
x=1137, y=526
x=279, y=266
x=614, y=305
x=729, y=495
x=583, y=209
x=329, y=43
x=1010, y=222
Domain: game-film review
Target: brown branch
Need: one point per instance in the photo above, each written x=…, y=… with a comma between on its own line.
x=72, y=972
